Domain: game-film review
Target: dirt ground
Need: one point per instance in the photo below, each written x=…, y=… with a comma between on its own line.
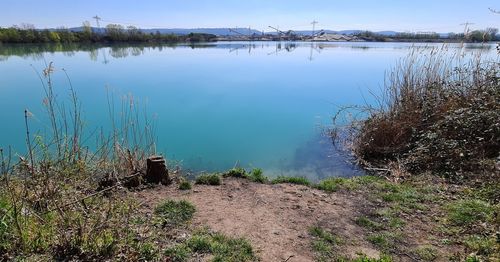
x=275, y=218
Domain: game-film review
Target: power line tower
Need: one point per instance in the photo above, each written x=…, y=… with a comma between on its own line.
x=97, y=18
x=314, y=23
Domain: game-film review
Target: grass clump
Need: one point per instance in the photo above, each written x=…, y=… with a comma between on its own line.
x=221, y=247
x=291, y=180
x=332, y=184
x=185, y=185
x=209, y=179
x=369, y=224
x=384, y=240
x=426, y=253
x=324, y=243
x=257, y=176
x=469, y=211
x=178, y=253
x=173, y=213
x=483, y=246
x=237, y=172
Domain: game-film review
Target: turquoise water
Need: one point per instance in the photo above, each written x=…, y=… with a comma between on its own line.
x=215, y=105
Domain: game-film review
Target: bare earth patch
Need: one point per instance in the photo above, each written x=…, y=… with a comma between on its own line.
x=275, y=218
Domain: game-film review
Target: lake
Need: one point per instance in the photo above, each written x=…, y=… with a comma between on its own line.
x=215, y=105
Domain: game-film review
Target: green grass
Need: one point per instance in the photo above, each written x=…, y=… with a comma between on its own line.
x=369, y=224
x=324, y=243
x=173, y=213
x=469, y=211
x=221, y=247
x=257, y=176
x=384, y=240
x=209, y=179
x=148, y=252
x=482, y=245
x=364, y=258
x=426, y=253
x=331, y=184
x=291, y=180
x=178, y=253
x=237, y=172
x=185, y=185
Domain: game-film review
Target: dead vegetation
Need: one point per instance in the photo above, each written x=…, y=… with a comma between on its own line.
x=438, y=112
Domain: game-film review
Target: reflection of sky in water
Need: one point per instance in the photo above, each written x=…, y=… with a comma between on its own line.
x=257, y=104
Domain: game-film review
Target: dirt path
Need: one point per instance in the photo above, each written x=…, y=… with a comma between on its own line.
x=275, y=218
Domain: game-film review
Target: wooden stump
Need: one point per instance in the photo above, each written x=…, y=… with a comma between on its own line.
x=156, y=171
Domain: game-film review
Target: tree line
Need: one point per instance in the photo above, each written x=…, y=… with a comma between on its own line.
x=111, y=33
x=486, y=35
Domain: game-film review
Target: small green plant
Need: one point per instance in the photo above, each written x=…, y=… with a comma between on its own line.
x=174, y=213
x=209, y=179
x=185, y=185
x=469, y=211
x=236, y=172
x=291, y=180
x=257, y=176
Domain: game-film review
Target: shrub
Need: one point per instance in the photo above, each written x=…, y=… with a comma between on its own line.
x=438, y=112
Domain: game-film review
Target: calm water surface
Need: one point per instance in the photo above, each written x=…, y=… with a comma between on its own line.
x=256, y=104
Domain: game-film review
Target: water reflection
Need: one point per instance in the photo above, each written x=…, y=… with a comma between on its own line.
x=100, y=51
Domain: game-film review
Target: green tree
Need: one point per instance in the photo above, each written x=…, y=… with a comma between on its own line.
x=115, y=32
x=54, y=37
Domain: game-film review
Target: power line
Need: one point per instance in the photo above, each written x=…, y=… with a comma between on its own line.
x=314, y=26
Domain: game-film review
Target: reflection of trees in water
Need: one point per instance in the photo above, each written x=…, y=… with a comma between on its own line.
x=37, y=51
x=93, y=54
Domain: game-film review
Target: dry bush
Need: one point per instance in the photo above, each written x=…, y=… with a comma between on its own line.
x=439, y=111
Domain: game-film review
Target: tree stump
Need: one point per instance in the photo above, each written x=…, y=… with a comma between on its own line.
x=157, y=171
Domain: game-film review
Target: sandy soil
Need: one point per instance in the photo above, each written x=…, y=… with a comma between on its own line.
x=275, y=218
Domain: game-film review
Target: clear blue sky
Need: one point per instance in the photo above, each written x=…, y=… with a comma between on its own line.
x=399, y=15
